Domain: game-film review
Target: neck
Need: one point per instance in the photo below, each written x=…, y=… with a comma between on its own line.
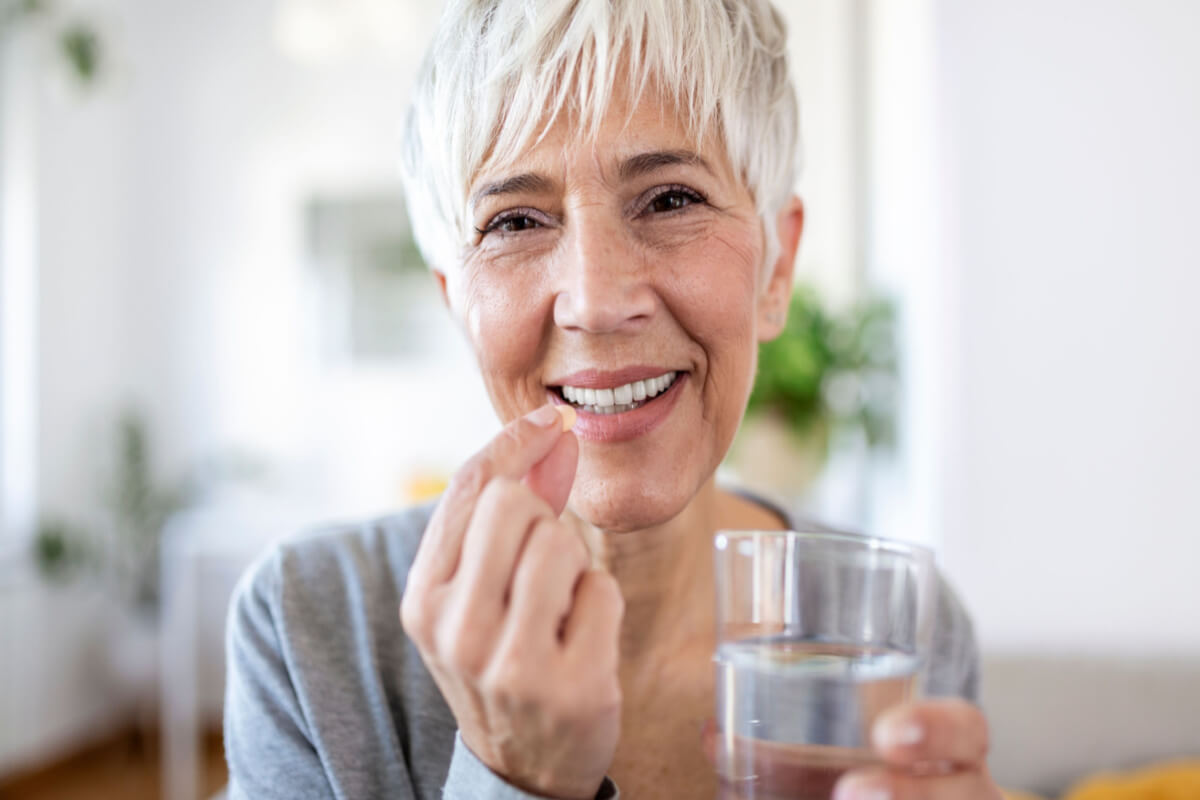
x=666, y=573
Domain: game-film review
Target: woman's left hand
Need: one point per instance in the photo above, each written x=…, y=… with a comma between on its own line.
x=933, y=750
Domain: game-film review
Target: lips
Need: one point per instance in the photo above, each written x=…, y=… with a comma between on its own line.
x=618, y=399
x=609, y=406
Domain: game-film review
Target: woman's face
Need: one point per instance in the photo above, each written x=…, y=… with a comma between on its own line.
x=600, y=270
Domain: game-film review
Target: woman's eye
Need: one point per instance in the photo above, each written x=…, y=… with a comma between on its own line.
x=513, y=224
x=673, y=199
x=513, y=221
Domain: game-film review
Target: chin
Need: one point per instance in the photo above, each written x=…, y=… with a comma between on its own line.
x=628, y=502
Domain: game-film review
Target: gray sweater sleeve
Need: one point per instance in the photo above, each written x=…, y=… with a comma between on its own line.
x=954, y=671
x=267, y=740
x=470, y=778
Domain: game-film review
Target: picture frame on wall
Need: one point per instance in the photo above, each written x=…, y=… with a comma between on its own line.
x=377, y=302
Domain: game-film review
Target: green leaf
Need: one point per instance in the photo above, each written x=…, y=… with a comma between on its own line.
x=81, y=47
x=795, y=369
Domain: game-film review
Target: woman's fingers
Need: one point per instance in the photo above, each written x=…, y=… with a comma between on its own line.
x=494, y=578
x=710, y=736
x=505, y=515
x=593, y=628
x=934, y=749
x=552, y=477
x=946, y=730
x=543, y=585
x=511, y=454
x=873, y=784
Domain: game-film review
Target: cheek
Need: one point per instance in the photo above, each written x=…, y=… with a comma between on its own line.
x=503, y=316
x=720, y=315
x=718, y=300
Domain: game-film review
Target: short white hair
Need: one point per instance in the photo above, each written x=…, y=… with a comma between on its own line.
x=500, y=72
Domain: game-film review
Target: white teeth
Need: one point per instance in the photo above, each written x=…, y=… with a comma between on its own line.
x=617, y=409
x=619, y=398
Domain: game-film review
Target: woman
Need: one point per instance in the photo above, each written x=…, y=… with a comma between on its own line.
x=604, y=191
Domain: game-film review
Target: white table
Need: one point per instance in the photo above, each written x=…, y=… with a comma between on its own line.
x=204, y=553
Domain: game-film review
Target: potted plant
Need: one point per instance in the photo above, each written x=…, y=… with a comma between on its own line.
x=828, y=377
x=123, y=555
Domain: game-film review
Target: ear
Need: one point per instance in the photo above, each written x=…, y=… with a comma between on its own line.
x=440, y=277
x=775, y=297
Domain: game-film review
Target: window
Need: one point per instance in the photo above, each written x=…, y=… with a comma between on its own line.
x=18, y=296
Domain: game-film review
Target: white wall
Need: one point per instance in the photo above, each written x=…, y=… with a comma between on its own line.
x=233, y=138
x=64, y=340
x=1067, y=145
x=18, y=287
x=904, y=235
x=54, y=694
x=822, y=39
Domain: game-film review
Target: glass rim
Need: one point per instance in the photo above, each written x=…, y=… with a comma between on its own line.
x=865, y=541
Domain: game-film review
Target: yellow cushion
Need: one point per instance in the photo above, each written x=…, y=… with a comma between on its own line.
x=1179, y=780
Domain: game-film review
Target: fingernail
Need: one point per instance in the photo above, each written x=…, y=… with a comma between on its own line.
x=545, y=416
x=898, y=732
x=553, y=414
x=853, y=788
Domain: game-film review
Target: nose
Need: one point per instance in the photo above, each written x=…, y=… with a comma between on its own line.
x=603, y=281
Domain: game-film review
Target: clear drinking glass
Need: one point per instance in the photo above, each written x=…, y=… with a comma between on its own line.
x=817, y=633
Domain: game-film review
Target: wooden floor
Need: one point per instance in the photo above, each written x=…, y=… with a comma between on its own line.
x=125, y=767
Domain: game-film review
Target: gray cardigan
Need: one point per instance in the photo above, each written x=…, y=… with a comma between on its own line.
x=327, y=698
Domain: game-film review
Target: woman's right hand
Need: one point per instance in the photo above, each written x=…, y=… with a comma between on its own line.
x=518, y=631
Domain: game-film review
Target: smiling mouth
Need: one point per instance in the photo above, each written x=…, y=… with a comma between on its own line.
x=617, y=399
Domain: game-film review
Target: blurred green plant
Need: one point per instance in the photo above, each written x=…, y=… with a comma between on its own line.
x=831, y=371
x=140, y=508
x=81, y=47
x=77, y=42
x=139, y=505
x=61, y=549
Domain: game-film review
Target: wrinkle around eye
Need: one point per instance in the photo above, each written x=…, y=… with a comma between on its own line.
x=499, y=248
x=680, y=229
x=519, y=214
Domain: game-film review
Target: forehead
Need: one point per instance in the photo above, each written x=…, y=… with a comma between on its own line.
x=628, y=138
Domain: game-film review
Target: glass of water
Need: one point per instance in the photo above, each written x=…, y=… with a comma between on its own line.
x=817, y=634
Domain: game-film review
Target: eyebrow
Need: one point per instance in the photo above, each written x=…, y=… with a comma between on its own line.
x=632, y=167
x=529, y=182
x=644, y=163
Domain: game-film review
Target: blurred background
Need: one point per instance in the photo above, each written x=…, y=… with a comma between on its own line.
x=215, y=331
